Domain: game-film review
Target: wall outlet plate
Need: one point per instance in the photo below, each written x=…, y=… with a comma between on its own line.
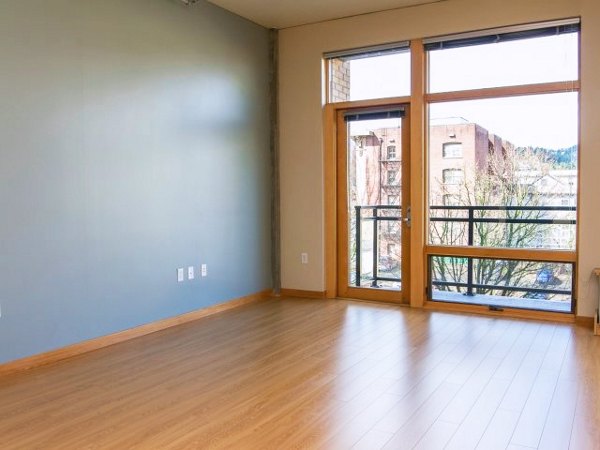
x=204, y=270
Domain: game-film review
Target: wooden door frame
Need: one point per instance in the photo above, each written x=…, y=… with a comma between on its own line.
x=344, y=289
x=416, y=127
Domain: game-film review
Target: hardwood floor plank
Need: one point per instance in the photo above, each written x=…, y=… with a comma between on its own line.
x=559, y=423
x=413, y=430
x=499, y=431
x=373, y=440
x=530, y=426
x=473, y=427
x=437, y=436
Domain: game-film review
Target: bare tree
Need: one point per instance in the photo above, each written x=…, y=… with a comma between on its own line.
x=483, y=196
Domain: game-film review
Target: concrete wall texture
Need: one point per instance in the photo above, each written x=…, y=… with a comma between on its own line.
x=134, y=139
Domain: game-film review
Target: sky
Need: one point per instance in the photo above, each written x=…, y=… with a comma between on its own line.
x=549, y=121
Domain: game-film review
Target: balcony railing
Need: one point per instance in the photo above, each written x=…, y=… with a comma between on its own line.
x=376, y=218
x=473, y=215
x=510, y=212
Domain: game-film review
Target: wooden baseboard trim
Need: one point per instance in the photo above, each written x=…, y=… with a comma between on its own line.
x=301, y=293
x=585, y=321
x=60, y=354
x=508, y=313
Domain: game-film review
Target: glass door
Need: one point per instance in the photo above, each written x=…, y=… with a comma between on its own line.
x=373, y=203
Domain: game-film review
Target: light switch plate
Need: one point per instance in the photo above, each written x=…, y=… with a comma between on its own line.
x=180, y=275
x=191, y=273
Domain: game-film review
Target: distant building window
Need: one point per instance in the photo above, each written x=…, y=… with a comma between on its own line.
x=452, y=150
x=453, y=176
x=391, y=152
x=391, y=176
x=392, y=199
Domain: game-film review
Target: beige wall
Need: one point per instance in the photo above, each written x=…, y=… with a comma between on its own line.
x=301, y=51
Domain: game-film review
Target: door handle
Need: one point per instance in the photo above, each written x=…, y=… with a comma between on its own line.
x=406, y=218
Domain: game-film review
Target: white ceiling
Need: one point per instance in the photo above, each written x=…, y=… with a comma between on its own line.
x=289, y=13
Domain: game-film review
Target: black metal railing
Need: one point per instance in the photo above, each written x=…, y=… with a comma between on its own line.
x=376, y=218
x=471, y=219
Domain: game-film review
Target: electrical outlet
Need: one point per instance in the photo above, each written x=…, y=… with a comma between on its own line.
x=191, y=273
x=304, y=258
x=204, y=270
x=180, y=275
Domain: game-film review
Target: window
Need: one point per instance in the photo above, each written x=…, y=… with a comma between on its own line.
x=453, y=176
x=452, y=150
x=518, y=159
x=517, y=179
x=501, y=162
x=374, y=72
x=489, y=60
x=391, y=176
x=391, y=152
x=508, y=283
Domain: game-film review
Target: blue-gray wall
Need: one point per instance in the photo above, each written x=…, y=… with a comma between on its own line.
x=134, y=139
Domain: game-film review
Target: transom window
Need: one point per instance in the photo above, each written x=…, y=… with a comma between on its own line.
x=373, y=72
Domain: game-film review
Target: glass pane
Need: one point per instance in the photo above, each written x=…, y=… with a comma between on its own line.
x=526, y=61
x=537, y=285
x=367, y=77
x=514, y=181
x=374, y=209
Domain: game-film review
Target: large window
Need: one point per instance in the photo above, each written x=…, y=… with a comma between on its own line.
x=503, y=166
x=519, y=184
x=501, y=122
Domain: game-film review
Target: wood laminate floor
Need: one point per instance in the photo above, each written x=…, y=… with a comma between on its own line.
x=317, y=374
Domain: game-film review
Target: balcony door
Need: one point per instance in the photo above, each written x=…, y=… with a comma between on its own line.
x=373, y=214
